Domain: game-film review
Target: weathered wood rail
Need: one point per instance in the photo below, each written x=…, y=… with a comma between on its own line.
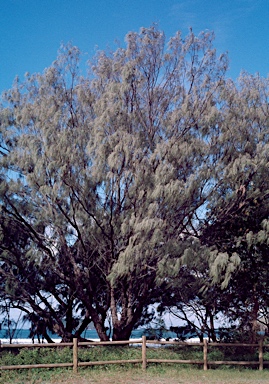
x=144, y=361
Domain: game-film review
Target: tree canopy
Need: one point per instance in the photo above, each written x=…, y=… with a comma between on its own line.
x=113, y=181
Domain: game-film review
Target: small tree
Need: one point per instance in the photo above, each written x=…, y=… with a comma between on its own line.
x=10, y=324
x=236, y=222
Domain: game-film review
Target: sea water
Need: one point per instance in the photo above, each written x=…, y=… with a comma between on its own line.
x=23, y=335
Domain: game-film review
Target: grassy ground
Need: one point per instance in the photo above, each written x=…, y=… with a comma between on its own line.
x=153, y=375
x=129, y=373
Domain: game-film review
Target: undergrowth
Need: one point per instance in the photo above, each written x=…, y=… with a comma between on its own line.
x=46, y=355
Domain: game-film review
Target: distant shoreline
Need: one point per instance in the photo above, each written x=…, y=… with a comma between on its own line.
x=21, y=336
x=30, y=341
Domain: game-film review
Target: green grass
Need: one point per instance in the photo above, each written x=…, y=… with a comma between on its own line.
x=163, y=374
x=96, y=374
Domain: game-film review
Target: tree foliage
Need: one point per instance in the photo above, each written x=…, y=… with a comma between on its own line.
x=236, y=223
x=112, y=179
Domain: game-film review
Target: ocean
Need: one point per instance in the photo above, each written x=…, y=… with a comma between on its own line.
x=25, y=334
x=21, y=335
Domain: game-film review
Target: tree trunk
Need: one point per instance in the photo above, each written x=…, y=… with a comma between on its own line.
x=121, y=333
x=254, y=320
x=99, y=325
x=212, y=328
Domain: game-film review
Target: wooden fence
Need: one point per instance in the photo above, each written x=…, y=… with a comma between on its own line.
x=144, y=360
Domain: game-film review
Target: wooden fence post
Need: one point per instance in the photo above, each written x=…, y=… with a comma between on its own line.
x=144, y=353
x=261, y=354
x=205, y=354
x=75, y=355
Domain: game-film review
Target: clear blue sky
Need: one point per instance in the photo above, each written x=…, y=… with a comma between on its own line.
x=31, y=31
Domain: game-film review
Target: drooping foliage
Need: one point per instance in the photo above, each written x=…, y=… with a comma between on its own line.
x=228, y=275
x=111, y=177
x=236, y=223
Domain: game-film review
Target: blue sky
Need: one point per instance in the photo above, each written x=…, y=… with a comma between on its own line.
x=31, y=31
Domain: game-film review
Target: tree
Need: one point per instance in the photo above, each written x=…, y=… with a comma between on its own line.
x=236, y=222
x=106, y=172
x=25, y=284
x=192, y=297
x=225, y=268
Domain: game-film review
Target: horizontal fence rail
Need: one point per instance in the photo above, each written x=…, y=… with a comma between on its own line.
x=144, y=361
